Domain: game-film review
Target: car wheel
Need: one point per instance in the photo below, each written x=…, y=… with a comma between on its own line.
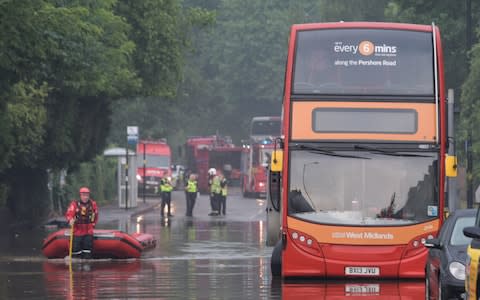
x=442, y=292
x=440, y=296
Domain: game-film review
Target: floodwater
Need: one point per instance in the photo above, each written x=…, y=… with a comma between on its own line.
x=202, y=257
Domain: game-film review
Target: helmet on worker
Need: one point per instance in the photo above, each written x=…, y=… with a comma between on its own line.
x=212, y=171
x=84, y=190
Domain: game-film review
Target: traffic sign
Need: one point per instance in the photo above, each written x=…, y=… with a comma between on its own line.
x=132, y=135
x=132, y=139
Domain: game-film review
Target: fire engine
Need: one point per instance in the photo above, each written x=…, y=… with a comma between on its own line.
x=153, y=161
x=255, y=159
x=205, y=152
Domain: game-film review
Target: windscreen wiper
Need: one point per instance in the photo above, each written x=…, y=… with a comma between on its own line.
x=385, y=152
x=326, y=152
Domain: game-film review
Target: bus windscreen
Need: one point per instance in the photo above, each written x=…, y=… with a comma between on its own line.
x=363, y=61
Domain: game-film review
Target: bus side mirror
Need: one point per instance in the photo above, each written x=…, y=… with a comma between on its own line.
x=451, y=166
x=277, y=161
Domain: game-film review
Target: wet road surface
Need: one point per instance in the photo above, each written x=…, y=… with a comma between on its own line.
x=199, y=257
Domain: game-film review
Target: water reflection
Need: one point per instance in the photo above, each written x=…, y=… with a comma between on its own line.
x=87, y=280
x=407, y=289
x=169, y=279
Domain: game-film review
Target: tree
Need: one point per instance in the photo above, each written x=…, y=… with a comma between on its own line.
x=61, y=67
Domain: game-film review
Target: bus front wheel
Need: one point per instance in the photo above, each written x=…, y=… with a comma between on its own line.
x=276, y=260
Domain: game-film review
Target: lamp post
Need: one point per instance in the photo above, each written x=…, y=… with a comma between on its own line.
x=144, y=170
x=132, y=139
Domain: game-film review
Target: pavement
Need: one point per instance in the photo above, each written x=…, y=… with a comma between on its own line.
x=113, y=211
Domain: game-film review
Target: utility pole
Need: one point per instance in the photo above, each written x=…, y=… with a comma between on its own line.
x=452, y=181
x=144, y=169
x=126, y=176
x=469, y=142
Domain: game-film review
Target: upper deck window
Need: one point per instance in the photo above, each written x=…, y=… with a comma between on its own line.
x=363, y=61
x=266, y=127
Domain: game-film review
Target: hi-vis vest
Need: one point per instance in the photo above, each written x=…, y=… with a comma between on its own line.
x=191, y=186
x=215, y=188
x=224, y=189
x=165, y=186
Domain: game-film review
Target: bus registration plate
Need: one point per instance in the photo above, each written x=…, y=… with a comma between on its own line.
x=362, y=271
x=362, y=288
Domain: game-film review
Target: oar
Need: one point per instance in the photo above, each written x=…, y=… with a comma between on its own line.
x=70, y=271
x=70, y=248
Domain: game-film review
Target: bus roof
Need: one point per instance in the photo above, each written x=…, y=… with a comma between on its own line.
x=372, y=25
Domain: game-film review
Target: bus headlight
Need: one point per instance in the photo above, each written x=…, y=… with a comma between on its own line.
x=305, y=242
x=457, y=270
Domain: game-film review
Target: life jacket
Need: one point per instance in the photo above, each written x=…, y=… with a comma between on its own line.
x=84, y=212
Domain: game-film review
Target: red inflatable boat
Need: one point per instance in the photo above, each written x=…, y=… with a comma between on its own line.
x=106, y=244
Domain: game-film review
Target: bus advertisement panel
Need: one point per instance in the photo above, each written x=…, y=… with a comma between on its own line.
x=362, y=174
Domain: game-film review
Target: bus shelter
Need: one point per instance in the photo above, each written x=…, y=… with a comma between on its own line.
x=124, y=183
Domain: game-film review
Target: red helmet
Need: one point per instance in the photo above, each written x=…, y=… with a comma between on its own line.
x=84, y=190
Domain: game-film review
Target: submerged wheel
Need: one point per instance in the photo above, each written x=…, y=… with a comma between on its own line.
x=427, y=286
x=276, y=260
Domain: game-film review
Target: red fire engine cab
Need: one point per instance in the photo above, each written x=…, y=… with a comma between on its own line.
x=205, y=152
x=153, y=161
x=255, y=159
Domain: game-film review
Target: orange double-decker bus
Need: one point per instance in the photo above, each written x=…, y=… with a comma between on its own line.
x=360, y=176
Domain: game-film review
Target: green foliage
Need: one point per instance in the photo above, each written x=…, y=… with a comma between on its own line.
x=23, y=113
x=62, y=64
x=159, y=57
x=156, y=33
x=99, y=175
x=470, y=110
x=449, y=16
x=26, y=114
x=346, y=10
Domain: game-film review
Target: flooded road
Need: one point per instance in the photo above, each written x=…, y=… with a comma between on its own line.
x=199, y=257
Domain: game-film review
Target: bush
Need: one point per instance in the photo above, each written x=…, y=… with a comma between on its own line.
x=99, y=176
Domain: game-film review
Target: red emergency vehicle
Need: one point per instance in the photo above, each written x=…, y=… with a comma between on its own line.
x=219, y=152
x=153, y=163
x=255, y=159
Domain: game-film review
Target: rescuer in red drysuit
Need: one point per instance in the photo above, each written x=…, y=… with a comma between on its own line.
x=83, y=215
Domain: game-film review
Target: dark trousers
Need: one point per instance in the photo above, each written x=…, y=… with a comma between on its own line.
x=166, y=199
x=212, y=202
x=222, y=202
x=82, y=246
x=216, y=202
x=191, y=197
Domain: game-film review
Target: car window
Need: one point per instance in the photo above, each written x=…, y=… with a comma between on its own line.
x=458, y=238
